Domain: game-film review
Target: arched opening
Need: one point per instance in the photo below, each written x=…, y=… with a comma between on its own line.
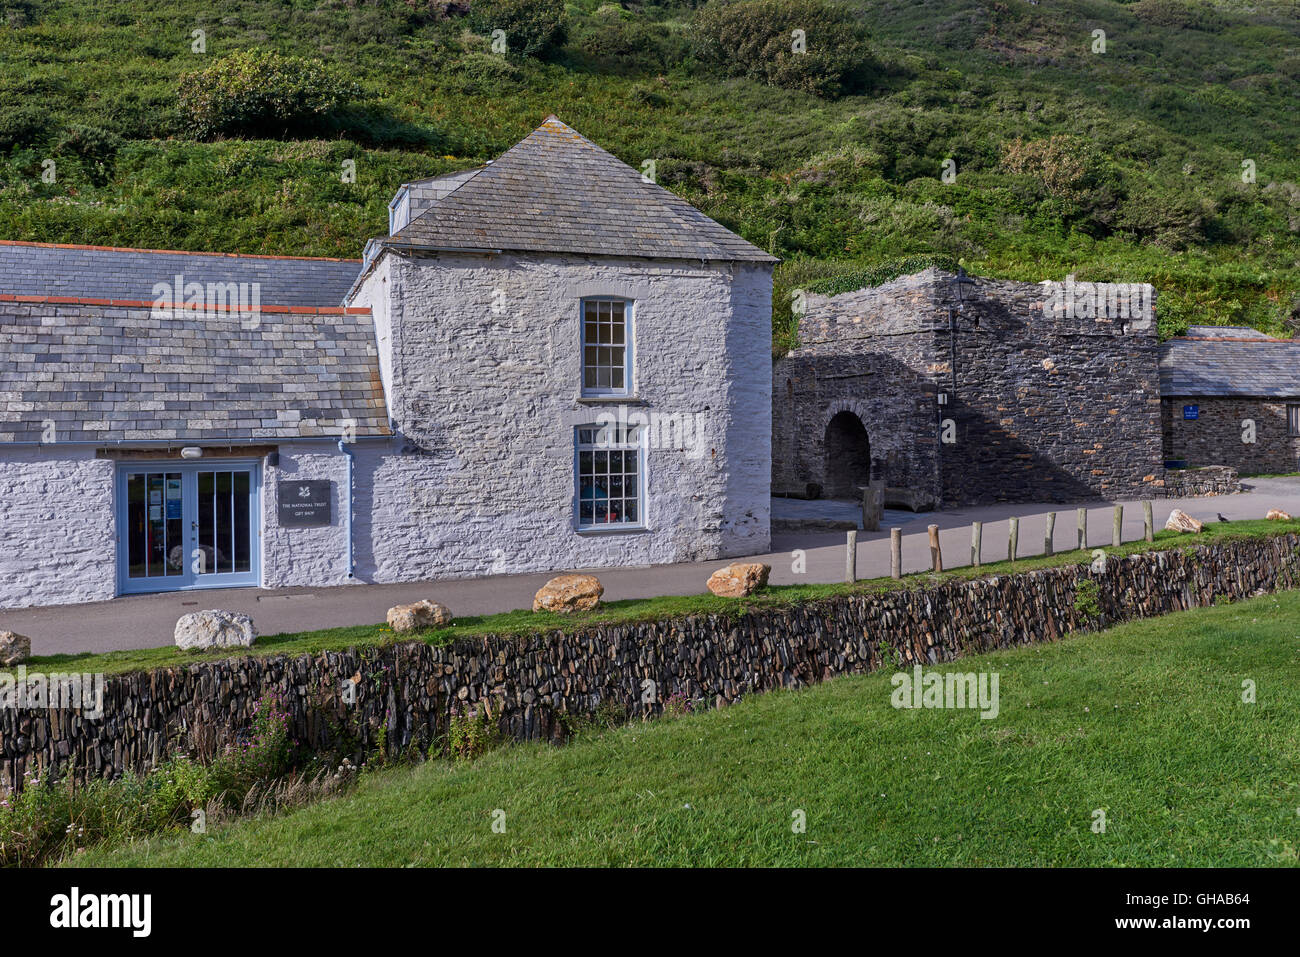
x=848, y=456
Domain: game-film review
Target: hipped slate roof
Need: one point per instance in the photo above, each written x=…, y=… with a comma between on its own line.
x=117, y=373
x=102, y=272
x=1249, y=365
x=556, y=191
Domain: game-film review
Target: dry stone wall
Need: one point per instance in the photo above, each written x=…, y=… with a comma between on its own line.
x=535, y=687
x=1194, y=483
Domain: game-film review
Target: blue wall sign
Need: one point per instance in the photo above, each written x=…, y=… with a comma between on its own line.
x=1191, y=412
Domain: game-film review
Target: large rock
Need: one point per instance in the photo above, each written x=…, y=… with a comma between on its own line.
x=214, y=629
x=405, y=619
x=14, y=648
x=1277, y=515
x=1180, y=521
x=566, y=594
x=739, y=579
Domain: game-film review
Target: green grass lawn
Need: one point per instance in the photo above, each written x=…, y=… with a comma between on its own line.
x=1145, y=722
x=524, y=621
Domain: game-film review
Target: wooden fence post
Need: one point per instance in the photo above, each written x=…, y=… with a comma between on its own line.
x=851, y=558
x=936, y=556
x=1083, y=528
x=1013, y=540
x=1149, y=521
x=873, y=505
x=976, y=542
x=895, y=553
x=1117, y=530
x=1049, y=538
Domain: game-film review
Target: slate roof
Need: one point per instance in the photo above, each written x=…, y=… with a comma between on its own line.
x=556, y=191
x=1244, y=366
x=46, y=269
x=116, y=373
x=1225, y=332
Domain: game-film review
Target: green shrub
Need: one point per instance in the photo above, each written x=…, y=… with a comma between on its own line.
x=261, y=94
x=882, y=273
x=23, y=126
x=267, y=753
x=1185, y=14
x=471, y=733
x=1086, y=186
x=753, y=38
x=1171, y=219
x=678, y=705
x=648, y=96
x=95, y=148
x=1087, y=598
x=483, y=74
x=631, y=43
x=531, y=27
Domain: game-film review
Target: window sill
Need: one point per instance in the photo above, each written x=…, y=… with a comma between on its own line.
x=610, y=399
x=613, y=528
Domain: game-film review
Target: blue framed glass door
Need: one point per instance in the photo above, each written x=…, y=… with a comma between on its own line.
x=188, y=526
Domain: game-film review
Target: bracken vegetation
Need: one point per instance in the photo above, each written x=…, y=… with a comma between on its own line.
x=1125, y=165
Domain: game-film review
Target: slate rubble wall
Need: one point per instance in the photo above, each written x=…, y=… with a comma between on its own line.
x=1199, y=482
x=1215, y=437
x=535, y=686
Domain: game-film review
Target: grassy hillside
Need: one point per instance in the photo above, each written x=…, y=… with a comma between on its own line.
x=1145, y=723
x=1117, y=166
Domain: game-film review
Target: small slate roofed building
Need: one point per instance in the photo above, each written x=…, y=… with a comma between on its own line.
x=1223, y=386
x=96, y=497
x=549, y=363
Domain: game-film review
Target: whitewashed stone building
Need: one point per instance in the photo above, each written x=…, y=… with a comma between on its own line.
x=548, y=363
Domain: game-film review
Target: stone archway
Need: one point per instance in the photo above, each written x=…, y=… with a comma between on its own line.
x=848, y=456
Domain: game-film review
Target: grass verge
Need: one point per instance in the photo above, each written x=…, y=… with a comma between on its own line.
x=1145, y=723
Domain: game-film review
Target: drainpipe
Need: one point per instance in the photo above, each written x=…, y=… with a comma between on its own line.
x=348, y=452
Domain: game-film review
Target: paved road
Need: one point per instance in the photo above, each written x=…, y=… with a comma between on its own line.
x=147, y=621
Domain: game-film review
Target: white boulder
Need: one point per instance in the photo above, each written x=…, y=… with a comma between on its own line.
x=214, y=629
x=419, y=615
x=1180, y=521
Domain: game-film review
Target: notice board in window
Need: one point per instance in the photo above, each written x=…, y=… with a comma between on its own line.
x=305, y=504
